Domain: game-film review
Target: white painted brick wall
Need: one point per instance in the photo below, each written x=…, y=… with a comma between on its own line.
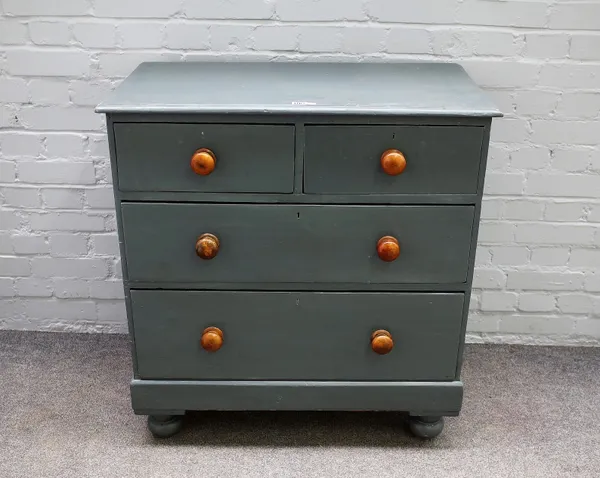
x=537, y=276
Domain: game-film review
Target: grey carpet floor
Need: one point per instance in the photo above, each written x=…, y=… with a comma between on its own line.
x=64, y=412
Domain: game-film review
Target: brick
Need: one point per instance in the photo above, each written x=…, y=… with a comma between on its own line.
x=566, y=185
x=585, y=258
x=530, y=157
x=32, y=287
x=60, y=309
x=107, y=289
x=21, y=197
x=60, y=118
x=569, y=75
x=45, y=7
x=62, y=198
x=575, y=304
x=66, y=221
x=503, y=99
x=550, y=256
x=502, y=74
x=531, y=302
x=14, y=267
x=98, y=146
x=95, y=35
x=408, y=40
x=320, y=39
x=358, y=40
x=474, y=301
x=498, y=301
x=513, y=13
x=570, y=160
x=120, y=65
x=9, y=220
x=510, y=255
x=537, y=280
x=407, y=11
x=57, y=172
x=496, y=232
x=579, y=105
x=460, y=42
x=546, y=45
x=542, y=233
x=192, y=36
x=20, y=144
x=13, y=90
x=587, y=327
x=7, y=287
x=536, y=103
x=564, y=211
x=5, y=243
x=29, y=244
x=140, y=35
x=230, y=37
x=47, y=63
x=504, y=183
x=318, y=10
x=111, y=311
x=78, y=268
x=10, y=308
x=585, y=47
x=64, y=245
x=65, y=145
x=105, y=244
x=594, y=213
x=89, y=93
x=49, y=33
x=580, y=15
x=232, y=9
x=592, y=283
x=49, y=92
x=510, y=130
x=71, y=288
x=491, y=208
x=537, y=325
x=8, y=117
x=12, y=32
x=489, y=279
x=482, y=324
x=100, y=198
x=523, y=210
x=136, y=8
x=498, y=157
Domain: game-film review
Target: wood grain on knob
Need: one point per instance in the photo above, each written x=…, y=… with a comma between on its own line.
x=382, y=342
x=393, y=162
x=207, y=246
x=388, y=248
x=203, y=161
x=212, y=339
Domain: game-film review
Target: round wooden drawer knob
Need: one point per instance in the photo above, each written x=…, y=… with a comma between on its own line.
x=388, y=248
x=212, y=339
x=382, y=342
x=207, y=246
x=203, y=161
x=393, y=162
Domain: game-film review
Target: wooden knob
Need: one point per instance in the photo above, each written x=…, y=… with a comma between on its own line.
x=388, y=248
x=382, y=342
x=207, y=246
x=212, y=339
x=203, y=161
x=393, y=162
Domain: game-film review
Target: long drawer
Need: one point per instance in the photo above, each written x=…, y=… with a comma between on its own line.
x=248, y=158
x=347, y=159
x=296, y=335
x=296, y=243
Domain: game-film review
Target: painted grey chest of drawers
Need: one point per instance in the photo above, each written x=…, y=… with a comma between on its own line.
x=298, y=236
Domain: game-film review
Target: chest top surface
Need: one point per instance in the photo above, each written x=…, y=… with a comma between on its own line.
x=413, y=89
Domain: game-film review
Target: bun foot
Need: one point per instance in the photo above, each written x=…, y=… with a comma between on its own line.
x=426, y=427
x=164, y=426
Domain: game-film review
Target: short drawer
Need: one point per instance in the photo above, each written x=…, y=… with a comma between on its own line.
x=347, y=159
x=296, y=243
x=247, y=158
x=296, y=335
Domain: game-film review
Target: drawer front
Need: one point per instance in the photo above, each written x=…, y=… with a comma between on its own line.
x=347, y=159
x=296, y=243
x=296, y=335
x=249, y=158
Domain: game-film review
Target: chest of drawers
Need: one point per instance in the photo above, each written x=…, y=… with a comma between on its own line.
x=297, y=236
